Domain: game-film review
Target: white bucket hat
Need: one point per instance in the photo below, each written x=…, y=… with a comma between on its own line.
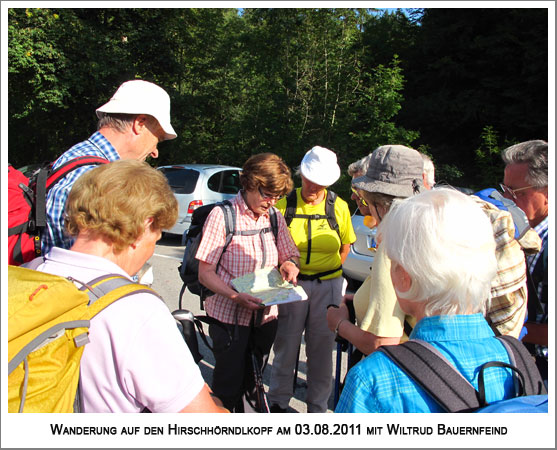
x=141, y=97
x=320, y=166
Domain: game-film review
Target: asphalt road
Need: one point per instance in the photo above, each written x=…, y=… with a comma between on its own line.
x=167, y=282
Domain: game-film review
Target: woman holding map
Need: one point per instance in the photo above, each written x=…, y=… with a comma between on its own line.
x=320, y=224
x=265, y=178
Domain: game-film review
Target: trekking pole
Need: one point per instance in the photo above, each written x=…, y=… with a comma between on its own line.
x=261, y=398
x=295, y=382
x=337, y=374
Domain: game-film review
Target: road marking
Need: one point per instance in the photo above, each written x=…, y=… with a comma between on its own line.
x=169, y=257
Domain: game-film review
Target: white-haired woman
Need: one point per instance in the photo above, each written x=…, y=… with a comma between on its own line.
x=442, y=250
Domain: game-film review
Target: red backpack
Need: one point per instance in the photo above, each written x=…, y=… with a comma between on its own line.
x=27, y=206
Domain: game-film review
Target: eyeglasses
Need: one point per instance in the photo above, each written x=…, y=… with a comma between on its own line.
x=359, y=197
x=269, y=197
x=512, y=192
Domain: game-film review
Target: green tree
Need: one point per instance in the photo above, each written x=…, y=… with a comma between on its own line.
x=470, y=68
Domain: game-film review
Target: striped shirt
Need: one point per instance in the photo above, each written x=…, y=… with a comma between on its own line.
x=244, y=255
x=53, y=235
x=377, y=384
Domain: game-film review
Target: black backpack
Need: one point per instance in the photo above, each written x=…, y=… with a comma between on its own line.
x=290, y=214
x=189, y=269
x=444, y=383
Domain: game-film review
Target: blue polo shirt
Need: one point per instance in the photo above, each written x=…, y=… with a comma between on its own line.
x=376, y=384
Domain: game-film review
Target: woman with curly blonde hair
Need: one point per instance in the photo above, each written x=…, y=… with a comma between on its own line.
x=136, y=359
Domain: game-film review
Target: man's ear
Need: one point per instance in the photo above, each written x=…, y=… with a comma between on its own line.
x=139, y=123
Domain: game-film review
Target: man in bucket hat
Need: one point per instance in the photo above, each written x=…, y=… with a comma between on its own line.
x=131, y=125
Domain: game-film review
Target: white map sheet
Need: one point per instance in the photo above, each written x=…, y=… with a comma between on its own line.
x=268, y=285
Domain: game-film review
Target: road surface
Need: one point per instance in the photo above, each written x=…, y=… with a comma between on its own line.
x=167, y=282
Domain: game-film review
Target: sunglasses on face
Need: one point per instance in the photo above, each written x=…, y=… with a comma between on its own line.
x=357, y=194
x=512, y=192
x=269, y=197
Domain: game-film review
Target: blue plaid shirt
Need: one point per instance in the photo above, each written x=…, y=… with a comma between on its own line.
x=376, y=384
x=53, y=235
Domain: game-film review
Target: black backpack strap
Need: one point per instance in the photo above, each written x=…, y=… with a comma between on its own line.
x=274, y=222
x=229, y=223
x=522, y=359
x=291, y=203
x=330, y=211
x=317, y=276
x=40, y=197
x=430, y=369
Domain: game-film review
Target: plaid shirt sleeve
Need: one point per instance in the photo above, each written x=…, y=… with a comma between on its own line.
x=53, y=235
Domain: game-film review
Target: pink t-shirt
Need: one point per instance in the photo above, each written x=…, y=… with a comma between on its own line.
x=136, y=356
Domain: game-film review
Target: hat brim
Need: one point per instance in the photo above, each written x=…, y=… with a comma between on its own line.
x=110, y=108
x=325, y=177
x=370, y=185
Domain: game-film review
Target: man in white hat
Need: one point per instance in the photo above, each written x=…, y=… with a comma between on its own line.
x=321, y=227
x=131, y=125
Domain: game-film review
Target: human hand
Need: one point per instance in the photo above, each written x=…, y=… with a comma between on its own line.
x=248, y=301
x=335, y=315
x=289, y=272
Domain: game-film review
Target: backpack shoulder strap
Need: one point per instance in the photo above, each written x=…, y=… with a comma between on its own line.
x=291, y=203
x=522, y=359
x=274, y=222
x=229, y=222
x=430, y=369
x=57, y=174
x=330, y=211
x=47, y=178
x=105, y=290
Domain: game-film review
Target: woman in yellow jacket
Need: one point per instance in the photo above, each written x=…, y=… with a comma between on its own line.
x=323, y=248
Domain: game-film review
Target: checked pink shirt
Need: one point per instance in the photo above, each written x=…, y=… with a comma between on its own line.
x=243, y=255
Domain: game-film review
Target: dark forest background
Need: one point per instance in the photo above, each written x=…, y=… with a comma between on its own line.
x=458, y=84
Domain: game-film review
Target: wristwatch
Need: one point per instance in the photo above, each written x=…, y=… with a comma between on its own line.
x=293, y=262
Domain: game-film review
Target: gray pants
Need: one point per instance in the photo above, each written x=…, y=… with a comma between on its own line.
x=294, y=318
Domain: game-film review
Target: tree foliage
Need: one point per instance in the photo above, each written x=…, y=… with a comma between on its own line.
x=455, y=82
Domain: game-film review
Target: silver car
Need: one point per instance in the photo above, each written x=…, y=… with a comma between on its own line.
x=195, y=185
x=358, y=262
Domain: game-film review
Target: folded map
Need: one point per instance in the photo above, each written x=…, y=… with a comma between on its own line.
x=268, y=285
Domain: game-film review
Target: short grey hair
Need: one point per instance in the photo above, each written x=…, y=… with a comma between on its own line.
x=445, y=242
x=429, y=170
x=533, y=153
x=118, y=121
x=359, y=166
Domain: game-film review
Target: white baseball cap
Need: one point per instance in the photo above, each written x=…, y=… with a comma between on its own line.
x=141, y=97
x=320, y=166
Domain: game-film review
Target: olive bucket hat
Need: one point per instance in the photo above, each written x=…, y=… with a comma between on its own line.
x=393, y=170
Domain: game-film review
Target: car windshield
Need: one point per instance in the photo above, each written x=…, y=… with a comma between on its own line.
x=181, y=181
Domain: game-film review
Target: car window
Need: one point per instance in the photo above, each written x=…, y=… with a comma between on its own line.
x=225, y=182
x=181, y=181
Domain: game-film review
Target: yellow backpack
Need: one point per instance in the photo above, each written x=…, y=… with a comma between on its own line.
x=48, y=323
